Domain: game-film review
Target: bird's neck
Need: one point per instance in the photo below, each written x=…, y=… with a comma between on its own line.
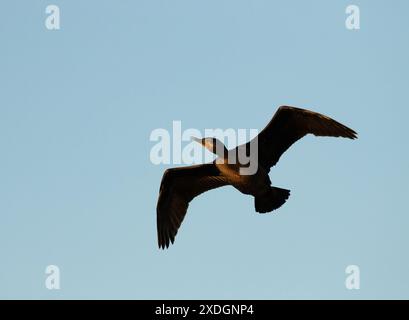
x=221, y=151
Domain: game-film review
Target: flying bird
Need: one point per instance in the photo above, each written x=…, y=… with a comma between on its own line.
x=180, y=185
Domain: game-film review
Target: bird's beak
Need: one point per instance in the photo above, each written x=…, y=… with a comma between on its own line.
x=197, y=140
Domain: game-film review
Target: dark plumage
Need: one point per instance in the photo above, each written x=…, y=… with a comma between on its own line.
x=180, y=185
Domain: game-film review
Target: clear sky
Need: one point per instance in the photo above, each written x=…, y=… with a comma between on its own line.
x=78, y=190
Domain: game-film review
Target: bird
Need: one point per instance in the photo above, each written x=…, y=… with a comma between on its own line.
x=180, y=185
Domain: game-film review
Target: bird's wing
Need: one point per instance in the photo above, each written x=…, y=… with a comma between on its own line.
x=290, y=124
x=178, y=187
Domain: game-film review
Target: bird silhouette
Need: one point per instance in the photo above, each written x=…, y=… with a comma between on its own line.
x=180, y=185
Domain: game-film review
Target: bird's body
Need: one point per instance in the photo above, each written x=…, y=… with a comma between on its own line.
x=180, y=185
x=255, y=184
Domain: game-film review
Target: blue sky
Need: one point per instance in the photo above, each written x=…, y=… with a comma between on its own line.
x=78, y=189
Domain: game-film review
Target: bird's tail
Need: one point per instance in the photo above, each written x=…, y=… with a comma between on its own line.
x=271, y=200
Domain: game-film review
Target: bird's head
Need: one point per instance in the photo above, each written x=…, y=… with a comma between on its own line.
x=214, y=145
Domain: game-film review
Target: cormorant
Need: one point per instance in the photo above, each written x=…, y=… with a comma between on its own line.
x=180, y=185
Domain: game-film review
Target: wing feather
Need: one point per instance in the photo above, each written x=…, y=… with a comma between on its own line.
x=290, y=124
x=178, y=187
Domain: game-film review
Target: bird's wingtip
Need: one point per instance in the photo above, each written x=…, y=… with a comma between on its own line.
x=354, y=135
